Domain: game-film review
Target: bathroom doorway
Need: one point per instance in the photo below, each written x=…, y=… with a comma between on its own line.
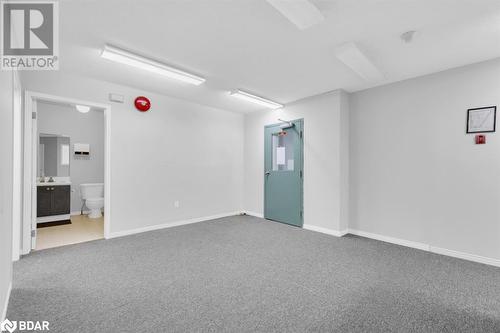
x=66, y=172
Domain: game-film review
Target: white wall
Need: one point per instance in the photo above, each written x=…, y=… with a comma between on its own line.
x=344, y=160
x=415, y=174
x=177, y=151
x=6, y=175
x=325, y=143
x=81, y=128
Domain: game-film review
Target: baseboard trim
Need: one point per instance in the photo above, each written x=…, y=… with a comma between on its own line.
x=392, y=240
x=254, y=214
x=168, y=225
x=344, y=232
x=332, y=232
x=428, y=248
x=6, y=305
x=465, y=256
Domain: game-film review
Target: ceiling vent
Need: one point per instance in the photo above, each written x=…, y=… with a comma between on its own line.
x=408, y=36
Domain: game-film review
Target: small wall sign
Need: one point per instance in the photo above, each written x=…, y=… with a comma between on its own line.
x=481, y=120
x=142, y=103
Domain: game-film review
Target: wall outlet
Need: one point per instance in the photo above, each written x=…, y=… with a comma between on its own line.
x=176, y=204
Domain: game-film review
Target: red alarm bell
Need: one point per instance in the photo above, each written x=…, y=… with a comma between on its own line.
x=480, y=139
x=142, y=103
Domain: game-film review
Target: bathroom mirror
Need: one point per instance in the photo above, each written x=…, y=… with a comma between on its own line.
x=53, y=155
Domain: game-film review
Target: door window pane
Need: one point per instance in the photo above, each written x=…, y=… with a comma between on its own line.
x=283, y=151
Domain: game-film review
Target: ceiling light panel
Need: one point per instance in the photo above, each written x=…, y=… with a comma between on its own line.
x=355, y=59
x=302, y=13
x=255, y=99
x=124, y=57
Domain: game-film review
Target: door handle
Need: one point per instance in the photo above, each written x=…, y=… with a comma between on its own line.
x=268, y=173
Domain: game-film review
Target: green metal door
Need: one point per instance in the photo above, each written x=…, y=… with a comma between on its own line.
x=283, y=174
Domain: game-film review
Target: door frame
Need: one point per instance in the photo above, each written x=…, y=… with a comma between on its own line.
x=17, y=164
x=30, y=161
x=301, y=136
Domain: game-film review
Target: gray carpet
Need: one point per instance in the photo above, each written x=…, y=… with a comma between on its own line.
x=243, y=274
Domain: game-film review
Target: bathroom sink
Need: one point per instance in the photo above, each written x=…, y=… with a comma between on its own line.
x=58, y=183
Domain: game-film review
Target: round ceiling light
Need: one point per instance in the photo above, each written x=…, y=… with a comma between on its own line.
x=83, y=108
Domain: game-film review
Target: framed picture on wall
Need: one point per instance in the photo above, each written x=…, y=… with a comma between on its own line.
x=481, y=120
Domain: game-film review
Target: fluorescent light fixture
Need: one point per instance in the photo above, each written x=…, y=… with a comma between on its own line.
x=83, y=108
x=255, y=99
x=302, y=13
x=354, y=58
x=124, y=57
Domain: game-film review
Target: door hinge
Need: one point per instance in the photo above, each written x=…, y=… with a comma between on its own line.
x=301, y=214
x=301, y=134
x=300, y=173
x=33, y=115
x=33, y=233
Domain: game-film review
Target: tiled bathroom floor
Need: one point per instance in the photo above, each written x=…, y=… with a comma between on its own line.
x=81, y=229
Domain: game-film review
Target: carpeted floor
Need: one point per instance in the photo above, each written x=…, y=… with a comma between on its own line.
x=244, y=274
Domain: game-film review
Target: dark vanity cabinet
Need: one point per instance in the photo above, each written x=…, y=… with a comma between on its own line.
x=53, y=200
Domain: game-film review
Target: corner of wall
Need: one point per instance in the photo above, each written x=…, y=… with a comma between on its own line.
x=344, y=159
x=6, y=305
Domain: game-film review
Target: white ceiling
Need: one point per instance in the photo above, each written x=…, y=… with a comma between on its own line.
x=248, y=44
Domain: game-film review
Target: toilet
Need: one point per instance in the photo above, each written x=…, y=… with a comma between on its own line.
x=93, y=197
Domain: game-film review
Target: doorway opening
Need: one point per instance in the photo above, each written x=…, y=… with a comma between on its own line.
x=66, y=171
x=283, y=178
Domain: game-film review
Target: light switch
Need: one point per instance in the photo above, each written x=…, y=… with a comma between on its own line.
x=116, y=98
